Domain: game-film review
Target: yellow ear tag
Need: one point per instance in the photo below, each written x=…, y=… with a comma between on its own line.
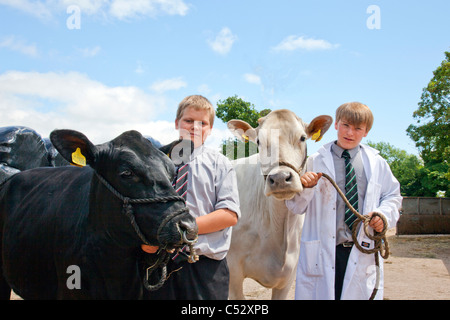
x=78, y=159
x=245, y=138
x=316, y=136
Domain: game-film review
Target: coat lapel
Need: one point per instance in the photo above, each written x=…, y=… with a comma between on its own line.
x=327, y=159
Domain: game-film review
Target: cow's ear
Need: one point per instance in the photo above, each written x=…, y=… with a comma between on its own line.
x=318, y=126
x=167, y=149
x=242, y=130
x=74, y=146
x=179, y=150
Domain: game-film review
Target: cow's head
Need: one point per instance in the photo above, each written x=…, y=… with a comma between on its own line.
x=135, y=169
x=281, y=138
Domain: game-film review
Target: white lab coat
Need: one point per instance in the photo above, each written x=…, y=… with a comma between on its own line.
x=315, y=270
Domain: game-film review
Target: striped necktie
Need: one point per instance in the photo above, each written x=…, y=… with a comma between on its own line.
x=351, y=189
x=180, y=183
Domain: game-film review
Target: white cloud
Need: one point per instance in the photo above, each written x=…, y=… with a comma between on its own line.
x=217, y=136
x=125, y=9
x=140, y=68
x=45, y=101
x=223, y=42
x=252, y=78
x=38, y=9
x=293, y=42
x=90, y=52
x=204, y=89
x=18, y=45
x=48, y=101
x=118, y=9
x=168, y=84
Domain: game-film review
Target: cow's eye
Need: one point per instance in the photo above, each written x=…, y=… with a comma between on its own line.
x=126, y=174
x=303, y=138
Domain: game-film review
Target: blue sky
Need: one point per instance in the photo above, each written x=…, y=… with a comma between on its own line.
x=107, y=66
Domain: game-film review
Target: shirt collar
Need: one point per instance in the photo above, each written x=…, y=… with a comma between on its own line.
x=338, y=150
x=197, y=152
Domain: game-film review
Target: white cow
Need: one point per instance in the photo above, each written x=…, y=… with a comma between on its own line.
x=266, y=241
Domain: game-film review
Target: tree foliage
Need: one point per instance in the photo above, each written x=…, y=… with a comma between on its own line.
x=407, y=168
x=431, y=132
x=236, y=108
x=235, y=149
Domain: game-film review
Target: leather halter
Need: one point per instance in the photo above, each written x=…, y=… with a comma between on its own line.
x=287, y=164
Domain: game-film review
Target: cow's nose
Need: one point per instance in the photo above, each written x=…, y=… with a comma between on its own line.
x=280, y=178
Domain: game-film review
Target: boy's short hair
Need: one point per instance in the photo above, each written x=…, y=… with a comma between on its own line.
x=198, y=102
x=356, y=113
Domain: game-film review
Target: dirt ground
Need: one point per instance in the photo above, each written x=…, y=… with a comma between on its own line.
x=418, y=268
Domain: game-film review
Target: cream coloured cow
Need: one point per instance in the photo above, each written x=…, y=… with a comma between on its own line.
x=266, y=241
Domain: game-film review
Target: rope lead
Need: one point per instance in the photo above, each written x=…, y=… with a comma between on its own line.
x=381, y=244
x=162, y=255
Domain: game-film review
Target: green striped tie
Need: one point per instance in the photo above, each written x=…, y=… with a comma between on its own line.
x=351, y=189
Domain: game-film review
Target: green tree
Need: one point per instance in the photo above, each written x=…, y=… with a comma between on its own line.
x=236, y=108
x=407, y=168
x=264, y=112
x=235, y=149
x=431, y=132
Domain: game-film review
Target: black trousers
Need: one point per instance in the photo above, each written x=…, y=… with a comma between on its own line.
x=342, y=254
x=207, y=279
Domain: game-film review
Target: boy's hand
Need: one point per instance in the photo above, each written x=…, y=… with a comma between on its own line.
x=376, y=223
x=310, y=179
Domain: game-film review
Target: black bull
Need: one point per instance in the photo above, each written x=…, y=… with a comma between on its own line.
x=59, y=221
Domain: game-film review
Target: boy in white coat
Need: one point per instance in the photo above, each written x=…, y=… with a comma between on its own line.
x=330, y=266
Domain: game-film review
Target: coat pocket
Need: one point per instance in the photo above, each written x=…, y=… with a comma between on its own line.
x=311, y=262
